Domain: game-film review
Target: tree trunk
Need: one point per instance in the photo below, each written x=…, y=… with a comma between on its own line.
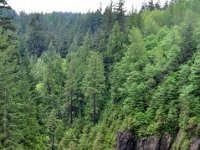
x=71, y=107
x=81, y=104
x=94, y=108
x=5, y=121
x=48, y=82
x=52, y=139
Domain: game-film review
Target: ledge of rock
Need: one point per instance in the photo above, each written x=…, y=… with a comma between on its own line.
x=126, y=141
x=150, y=143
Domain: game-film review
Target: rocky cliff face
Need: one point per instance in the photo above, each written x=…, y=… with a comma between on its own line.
x=128, y=141
x=195, y=144
x=155, y=143
x=151, y=143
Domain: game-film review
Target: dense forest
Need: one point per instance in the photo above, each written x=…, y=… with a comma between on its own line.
x=103, y=80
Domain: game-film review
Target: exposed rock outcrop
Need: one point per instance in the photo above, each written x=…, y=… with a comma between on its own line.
x=155, y=143
x=126, y=141
x=195, y=144
x=151, y=143
x=165, y=142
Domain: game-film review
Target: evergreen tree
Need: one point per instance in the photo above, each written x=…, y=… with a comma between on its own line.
x=64, y=49
x=100, y=41
x=72, y=83
x=108, y=19
x=188, y=46
x=129, y=69
x=151, y=5
x=37, y=41
x=115, y=46
x=5, y=21
x=120, y=14
x=52, y=125
x=31, y=137
x=47, y=72
x=158, y=6
x=8, y=77
x=93, y=84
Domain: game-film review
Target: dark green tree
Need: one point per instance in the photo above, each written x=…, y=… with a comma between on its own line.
x=120, y=14
x=93, y=84
x=36, y=43
x=11, y=104
x=73, y=75
x=151, y=5
x=108, y=19
x=128, y=71
x=5, y=21
x=52, y=125
x=114, y=50
x=188, y=46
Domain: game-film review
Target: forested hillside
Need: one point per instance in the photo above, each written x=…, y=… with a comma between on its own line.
x=103, y=80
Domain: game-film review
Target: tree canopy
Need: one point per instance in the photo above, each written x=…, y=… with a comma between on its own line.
x=74, y=81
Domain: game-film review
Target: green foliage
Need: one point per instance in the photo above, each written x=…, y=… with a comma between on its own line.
x=93, y=84
x=73, y=81
x=36, y=42
x=131, y=62
x=115, y=45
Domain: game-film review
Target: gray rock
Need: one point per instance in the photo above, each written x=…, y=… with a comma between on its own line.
x=195, y=144
x=151, y=143
x=166, y=142
x=126, y=141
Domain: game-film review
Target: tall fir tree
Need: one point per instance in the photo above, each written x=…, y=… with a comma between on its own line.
x=36, y=42
x=93, y=84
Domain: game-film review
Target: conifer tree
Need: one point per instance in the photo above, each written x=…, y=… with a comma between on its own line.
x=93, y=84
x=120, y=14
x=108, y=19
x=52, y=125
x=8, y=77
x=36, y=42
x=115, y=46
x=129, y=67
x=5, y=21
x=72, y=83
